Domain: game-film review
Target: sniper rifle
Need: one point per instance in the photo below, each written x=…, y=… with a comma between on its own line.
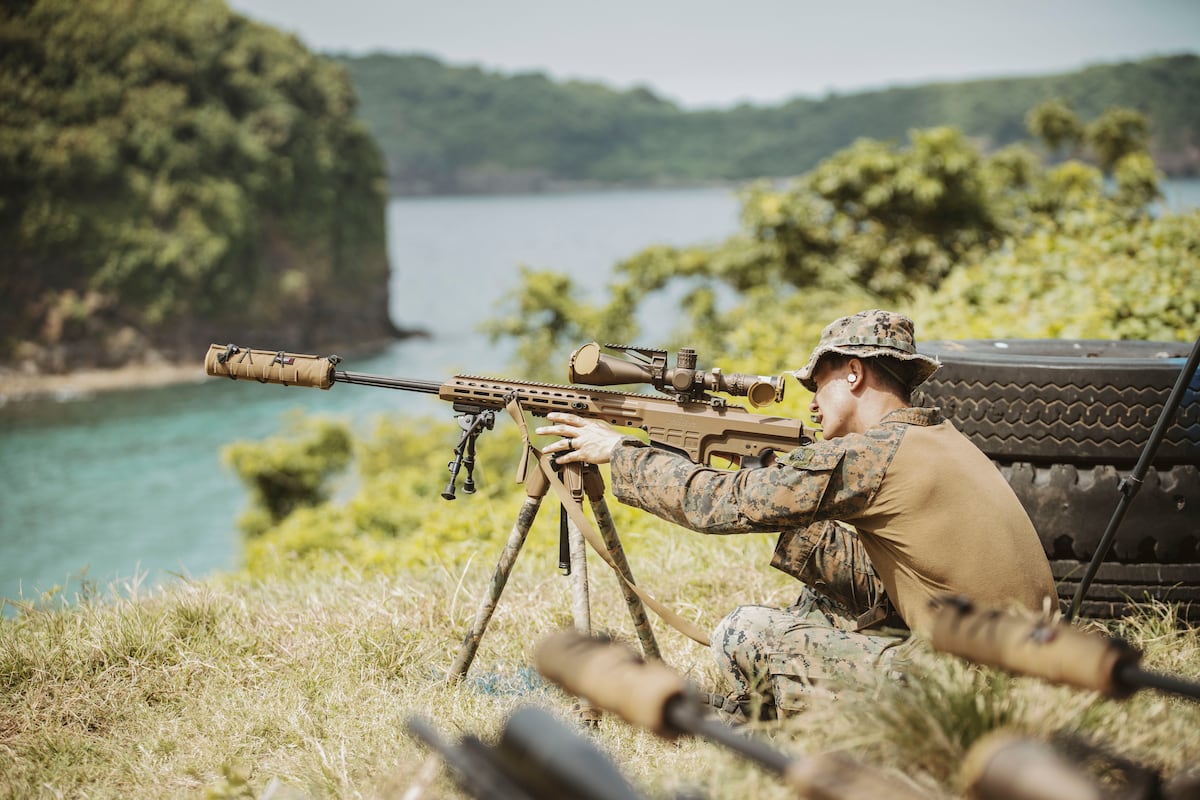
x=686, y=418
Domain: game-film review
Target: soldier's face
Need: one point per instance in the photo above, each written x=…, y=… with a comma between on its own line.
x=833, y=402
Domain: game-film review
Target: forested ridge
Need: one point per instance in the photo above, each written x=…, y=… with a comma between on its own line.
x=445, y=128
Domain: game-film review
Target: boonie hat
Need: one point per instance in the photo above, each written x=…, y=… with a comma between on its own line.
x=867, y=334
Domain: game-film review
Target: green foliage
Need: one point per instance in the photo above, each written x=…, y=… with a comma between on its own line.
x=971, y=246
x=463, y=129
x=1055, y=124
x=547, y=310
x=177, y=160
x=1116, y=134
x=1092, y=279
x=395, y=518
x=289, y=471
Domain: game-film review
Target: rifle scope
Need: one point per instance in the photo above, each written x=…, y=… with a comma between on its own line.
x=647, y=365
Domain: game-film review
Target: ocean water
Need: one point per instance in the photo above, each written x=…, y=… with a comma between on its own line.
x=129, y=485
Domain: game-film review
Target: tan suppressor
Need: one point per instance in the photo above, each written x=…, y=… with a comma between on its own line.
x=614, y=678
x=266, y=366
x=1057, y=652
x=1004, y=766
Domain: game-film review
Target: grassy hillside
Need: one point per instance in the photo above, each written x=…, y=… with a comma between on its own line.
x=301, y=688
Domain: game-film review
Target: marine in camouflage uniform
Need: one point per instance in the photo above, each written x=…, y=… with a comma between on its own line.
x=892, y=509
x=875, y=523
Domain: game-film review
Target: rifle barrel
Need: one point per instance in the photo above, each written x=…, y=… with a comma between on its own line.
x=685, y=714
x=407, y=384
x=1137, y=678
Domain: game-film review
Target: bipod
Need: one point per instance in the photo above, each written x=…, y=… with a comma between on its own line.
x=582, y=480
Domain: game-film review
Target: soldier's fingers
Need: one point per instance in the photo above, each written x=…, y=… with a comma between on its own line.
x=568, y=419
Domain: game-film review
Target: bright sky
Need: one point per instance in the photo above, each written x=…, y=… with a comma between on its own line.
x=703, y=53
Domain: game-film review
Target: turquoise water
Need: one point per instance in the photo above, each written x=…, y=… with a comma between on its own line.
x=130, y=485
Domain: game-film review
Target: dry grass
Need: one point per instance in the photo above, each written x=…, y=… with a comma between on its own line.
x=301, y=689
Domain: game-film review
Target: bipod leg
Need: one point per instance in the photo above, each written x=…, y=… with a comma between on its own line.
x=581, y=605
x=581, y=610
x=593, y=486
x=535, y=489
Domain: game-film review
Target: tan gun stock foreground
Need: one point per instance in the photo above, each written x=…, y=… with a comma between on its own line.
x=1004, y=765
x=537, y=757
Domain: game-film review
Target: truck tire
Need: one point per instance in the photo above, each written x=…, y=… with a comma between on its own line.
x=1066, y=421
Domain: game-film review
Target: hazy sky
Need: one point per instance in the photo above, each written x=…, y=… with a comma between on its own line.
x=709, y=53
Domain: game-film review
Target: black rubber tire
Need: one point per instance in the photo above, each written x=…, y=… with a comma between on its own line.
x=1066, y=401
x=1066, y=421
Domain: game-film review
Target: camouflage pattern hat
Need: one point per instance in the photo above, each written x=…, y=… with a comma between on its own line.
x=868, y=334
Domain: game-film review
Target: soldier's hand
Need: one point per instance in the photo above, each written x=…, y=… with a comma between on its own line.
x=584, y=440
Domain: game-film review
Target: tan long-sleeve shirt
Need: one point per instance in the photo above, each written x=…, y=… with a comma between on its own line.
x=932, y=511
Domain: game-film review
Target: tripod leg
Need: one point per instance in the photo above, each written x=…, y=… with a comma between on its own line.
x=594, y=486
x=581, y=607
x=516, y=538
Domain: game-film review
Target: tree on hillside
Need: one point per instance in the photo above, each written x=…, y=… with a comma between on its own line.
x=1055, y=124
x=447, y=128
x=1117, y=133
x=162, y=164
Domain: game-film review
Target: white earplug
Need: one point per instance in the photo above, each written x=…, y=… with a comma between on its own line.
x=851, y=378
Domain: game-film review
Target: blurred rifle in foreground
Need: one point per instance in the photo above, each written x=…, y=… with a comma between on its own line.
x=651, y=695
x=1004, y=765
x=538, y=757
x=1054, y=651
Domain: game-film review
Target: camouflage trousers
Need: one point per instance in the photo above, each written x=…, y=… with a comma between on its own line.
x=787, y=656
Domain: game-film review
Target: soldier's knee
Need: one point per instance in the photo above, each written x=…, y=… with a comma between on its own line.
x=741, y=634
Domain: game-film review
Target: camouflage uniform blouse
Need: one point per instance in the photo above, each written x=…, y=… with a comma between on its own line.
x=933, y=513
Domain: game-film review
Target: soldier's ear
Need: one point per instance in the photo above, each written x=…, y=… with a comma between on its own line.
x=855, y=374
